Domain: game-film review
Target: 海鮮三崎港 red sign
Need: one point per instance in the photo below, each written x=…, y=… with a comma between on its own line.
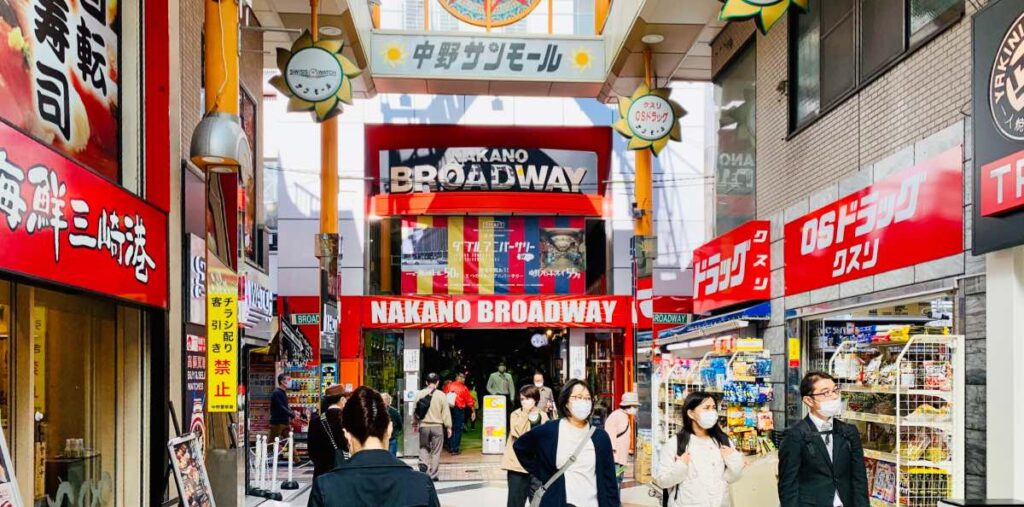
x=911, y=217
x=62, y=223
x=733, y=268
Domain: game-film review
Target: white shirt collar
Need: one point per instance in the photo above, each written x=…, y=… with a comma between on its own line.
x=819, y=423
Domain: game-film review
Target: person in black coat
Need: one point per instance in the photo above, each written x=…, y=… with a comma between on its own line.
x=327, y=442
x=590, y=480
x=821, y=460
x=372, y=477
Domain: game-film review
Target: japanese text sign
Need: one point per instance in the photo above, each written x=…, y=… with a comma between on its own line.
x=733, y=268
x=59, y=68
x=515, y=312
x=222, y=337
x=910, y=217
x=63, y=223
x=459, y=56
x=1002, y=185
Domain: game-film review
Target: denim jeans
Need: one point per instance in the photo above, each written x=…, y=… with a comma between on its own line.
x=458, y=418
x=393, y=446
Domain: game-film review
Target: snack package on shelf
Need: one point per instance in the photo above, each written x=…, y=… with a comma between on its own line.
x=938, y=375
x=884, y=486
x=869, y=465
x=924, y=486
x=765, y=420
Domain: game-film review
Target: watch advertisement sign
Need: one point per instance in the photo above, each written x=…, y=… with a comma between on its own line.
x=59, y=65
x=733, y=268
x=505, y=169
x=195, y=385
x=998, y=126
x=63, y=223
x=910, y=217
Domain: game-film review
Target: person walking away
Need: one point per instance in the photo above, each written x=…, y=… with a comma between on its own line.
x=573, y=460
x=821, y=459
x=547, y=396
x=281, y=414
x=620, y=427
x=460, y=402
x=501, y=383
x=521, y=485
x=471, y=423
x=372, y=477
x=327, y=444
x=434, y=421
x=697, y=470
x=397, y=424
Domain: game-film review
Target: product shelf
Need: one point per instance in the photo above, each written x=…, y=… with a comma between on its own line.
x=888, y=457
x=871, y=418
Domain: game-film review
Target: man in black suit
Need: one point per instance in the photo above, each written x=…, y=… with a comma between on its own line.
x=821, y=460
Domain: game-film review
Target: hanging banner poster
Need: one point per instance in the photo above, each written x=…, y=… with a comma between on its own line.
x=195, y=385
x=910, y=217
x=59, y=65
x=493, y=255
x=495, y=427
x=222, y=336
x=39, y=357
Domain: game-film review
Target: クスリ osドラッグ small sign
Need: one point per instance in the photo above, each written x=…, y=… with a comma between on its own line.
x=649, y=119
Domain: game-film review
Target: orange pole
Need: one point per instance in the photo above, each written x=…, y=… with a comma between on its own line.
x=644, y=177
x=426, y=15
x=375, y=15
x=221, y=26
x=601, y=8
x=487, y=14
x=551, y=17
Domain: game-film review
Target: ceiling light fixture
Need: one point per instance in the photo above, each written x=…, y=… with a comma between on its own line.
x=652, y=38
x=330, y=31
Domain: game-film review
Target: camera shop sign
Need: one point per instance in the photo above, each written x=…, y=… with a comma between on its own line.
x=65, y=224
x=998, y=126
x=911, y=217
x=488, y=169
x=496, y=311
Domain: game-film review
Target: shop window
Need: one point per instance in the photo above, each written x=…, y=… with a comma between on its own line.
x=735, y=96
x=6, y=359
x=841, y=45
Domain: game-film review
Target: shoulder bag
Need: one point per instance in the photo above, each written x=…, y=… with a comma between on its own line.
x=339, y=454
x=561, y=471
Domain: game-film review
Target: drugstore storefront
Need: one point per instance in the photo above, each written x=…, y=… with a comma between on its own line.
x=83, y=289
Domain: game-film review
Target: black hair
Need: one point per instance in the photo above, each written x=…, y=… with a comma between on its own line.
x=365, y=415
x=433, y=378
x=530, y=391
x=807, y=384
x=538, y=372
x=328, y=401
x=281, y=377
x=566, y=392
x=694, y=400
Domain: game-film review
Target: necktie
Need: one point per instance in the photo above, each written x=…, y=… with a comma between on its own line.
x=826, y=429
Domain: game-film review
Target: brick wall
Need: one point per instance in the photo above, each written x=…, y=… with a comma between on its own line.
x=191, y=28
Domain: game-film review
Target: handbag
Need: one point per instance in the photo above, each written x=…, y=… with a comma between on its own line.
x=339, y=455
x=537, y=497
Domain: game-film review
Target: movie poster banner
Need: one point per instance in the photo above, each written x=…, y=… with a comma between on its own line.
x=493, y=255
x=189, y=467
x=59, y=69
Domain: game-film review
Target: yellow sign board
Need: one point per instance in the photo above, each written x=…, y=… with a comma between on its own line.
x=794, y=352
x=222, y=341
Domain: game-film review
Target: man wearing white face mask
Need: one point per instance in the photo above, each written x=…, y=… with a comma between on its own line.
x=821, y=460
x=547, y=396
x=619, y=427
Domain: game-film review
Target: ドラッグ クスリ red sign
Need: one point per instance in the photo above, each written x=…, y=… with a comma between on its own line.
x=733, y=268
x=65, y=224
x=914, y=216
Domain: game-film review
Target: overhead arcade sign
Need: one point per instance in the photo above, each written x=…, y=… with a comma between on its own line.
x=422, y=170
x=496, y=311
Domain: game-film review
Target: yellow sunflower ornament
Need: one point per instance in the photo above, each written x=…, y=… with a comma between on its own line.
x=649, y=119
x=315, y=76
x=765, y=12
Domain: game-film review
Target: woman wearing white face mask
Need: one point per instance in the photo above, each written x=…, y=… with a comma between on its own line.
x=698, y=470
x=520, y=485
x=570, y=458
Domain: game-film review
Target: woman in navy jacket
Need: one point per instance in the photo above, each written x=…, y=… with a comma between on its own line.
x=590, y=480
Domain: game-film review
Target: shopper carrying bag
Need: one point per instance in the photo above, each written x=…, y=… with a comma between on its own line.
x=572, y=458
x=698, y=470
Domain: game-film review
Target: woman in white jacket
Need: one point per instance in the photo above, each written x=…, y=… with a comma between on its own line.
x=698, y=471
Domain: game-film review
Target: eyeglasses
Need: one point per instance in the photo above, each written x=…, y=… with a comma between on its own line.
x=580, y=398
x=830, y=393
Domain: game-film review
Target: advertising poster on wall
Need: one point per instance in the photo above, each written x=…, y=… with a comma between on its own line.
x=494, y=425
x=195, y=385
x=189, y=467
x=493, y=255
x=60, y=68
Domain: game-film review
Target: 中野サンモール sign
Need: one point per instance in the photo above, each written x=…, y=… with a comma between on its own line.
x=488, y=169
x=223, y=341
x=496, y=311
x=493, y=255
x=63, y=223
x=910, y=217
x=59, y=69
x=733, y=268
x=491, y=56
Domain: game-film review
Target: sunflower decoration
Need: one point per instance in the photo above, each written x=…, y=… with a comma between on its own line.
x=649, y=119
x=765, y=12
x=582, y=59
x=395, y=54
x=315, y=76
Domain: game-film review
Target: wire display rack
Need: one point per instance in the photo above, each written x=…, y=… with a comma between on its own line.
x=907, y=399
